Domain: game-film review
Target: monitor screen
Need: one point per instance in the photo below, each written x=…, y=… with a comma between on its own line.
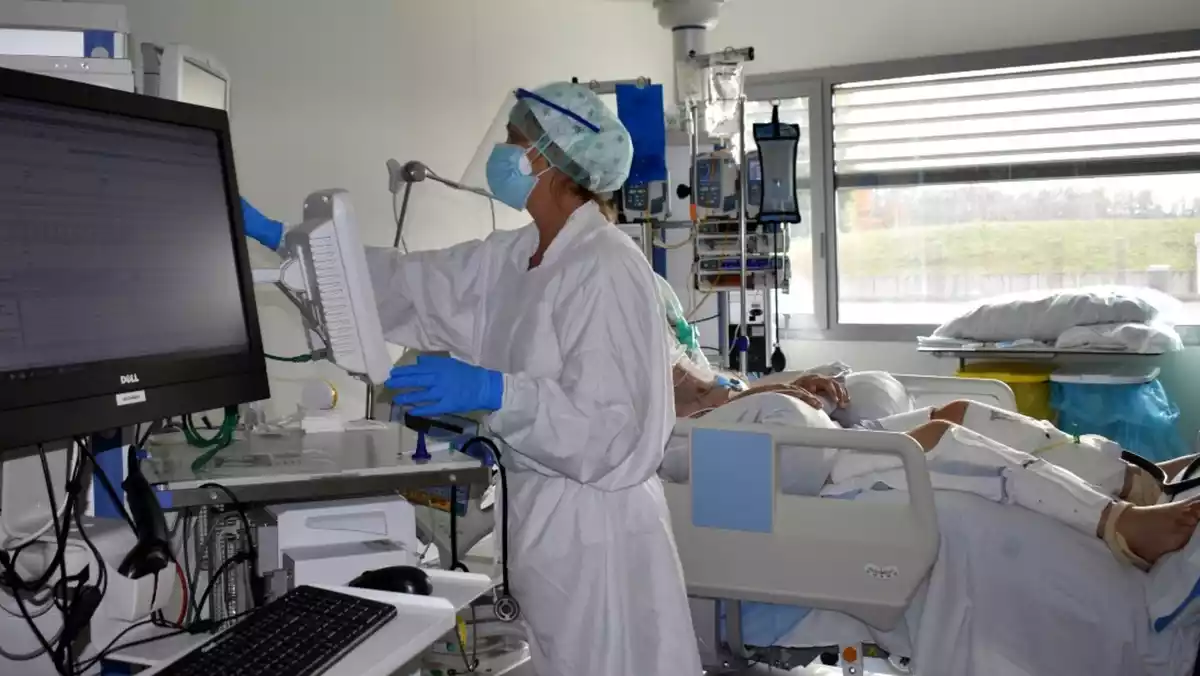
x=122, y=259
x=201, y=87
x=114, y=241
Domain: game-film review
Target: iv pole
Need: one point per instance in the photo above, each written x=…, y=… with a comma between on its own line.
x=743, y=197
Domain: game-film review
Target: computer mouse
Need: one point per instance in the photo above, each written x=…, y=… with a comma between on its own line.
x=396, y=579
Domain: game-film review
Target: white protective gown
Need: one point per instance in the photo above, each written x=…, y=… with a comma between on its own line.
x=587, y=412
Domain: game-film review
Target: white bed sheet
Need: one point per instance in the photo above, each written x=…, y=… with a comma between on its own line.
x=1016, y=594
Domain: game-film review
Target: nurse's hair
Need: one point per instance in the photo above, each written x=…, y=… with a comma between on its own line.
x=608, y=208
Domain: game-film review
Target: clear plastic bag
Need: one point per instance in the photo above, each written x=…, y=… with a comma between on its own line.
x=725, y=85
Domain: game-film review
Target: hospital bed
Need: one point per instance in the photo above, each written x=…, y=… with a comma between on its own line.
x=858, y=565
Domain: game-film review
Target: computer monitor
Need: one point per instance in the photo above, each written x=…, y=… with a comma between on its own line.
x=181, y=73
x=125, y=285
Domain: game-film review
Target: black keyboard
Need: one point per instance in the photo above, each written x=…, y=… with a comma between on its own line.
x=301, y=633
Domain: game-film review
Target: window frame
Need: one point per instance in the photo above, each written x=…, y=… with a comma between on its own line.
x=818, y=86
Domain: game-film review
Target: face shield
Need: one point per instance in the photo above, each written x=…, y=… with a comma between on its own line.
x=565, y=126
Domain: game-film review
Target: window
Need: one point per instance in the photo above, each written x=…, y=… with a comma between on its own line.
x=939, y=182
x=968, y=185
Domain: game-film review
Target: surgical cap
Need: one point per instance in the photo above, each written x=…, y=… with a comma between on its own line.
x=577, y=133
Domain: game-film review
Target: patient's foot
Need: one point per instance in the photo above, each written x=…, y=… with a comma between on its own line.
x=1154, y=531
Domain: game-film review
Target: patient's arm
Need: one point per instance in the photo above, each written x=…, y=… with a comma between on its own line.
x=790, y=390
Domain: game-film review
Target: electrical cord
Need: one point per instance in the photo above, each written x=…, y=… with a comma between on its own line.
x=31, y=655
x=53, y=647
x=99, y=473
x=778, y=358
x=109, y=649
x=16, y=540
x=188, y=526
x=194, y=577
x=140, y=438
x=471, y=664
x=59, y=647
x=154, y=592
x=183, y=587
x=197, y=628
x=491, y=446
x=41, y=638
x=257, y=593
x=456, y=563
x=216, y=576
x=102, y=581
x=11, y=578
x=42, y=605
x=60, y=531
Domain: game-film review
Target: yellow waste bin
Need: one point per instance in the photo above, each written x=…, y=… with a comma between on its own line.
x=1030, y=384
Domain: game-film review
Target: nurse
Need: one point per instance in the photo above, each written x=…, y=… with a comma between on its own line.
x=558, y=332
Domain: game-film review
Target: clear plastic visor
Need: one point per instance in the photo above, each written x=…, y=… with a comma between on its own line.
x=516, y=124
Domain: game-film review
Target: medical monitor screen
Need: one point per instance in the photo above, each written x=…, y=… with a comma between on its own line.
x=122, y=257
x=114, y=240
x=202, y=88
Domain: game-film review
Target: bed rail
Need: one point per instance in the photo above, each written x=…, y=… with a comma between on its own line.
x=941, y=390
x=739, y=538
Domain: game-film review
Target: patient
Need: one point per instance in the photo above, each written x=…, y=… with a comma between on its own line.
x=971, y=447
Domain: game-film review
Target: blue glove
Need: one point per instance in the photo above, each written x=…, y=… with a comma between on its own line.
x=441, y=385
x=265, y=231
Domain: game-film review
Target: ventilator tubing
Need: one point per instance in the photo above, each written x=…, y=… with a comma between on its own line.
x=1027, y=481
x=1093, y=458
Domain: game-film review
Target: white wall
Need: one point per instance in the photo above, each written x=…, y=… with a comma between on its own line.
x=325, y=92
x=792, y=35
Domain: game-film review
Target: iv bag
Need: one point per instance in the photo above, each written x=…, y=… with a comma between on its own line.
x=689, y=81
x=724, y=83
x=777, y=147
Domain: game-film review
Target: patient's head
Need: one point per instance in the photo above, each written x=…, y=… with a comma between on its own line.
x=876, y=394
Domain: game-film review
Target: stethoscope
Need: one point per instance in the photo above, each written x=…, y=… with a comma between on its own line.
x=505, y=607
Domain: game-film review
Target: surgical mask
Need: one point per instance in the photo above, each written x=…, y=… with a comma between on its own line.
x=510, y=175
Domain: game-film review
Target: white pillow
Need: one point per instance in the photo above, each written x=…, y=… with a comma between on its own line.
x=1152, y=338
x=1045, y=316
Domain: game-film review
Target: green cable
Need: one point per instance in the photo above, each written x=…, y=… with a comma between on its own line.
x=214, y=444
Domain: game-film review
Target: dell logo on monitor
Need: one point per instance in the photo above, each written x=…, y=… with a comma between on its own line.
x=130, y=379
